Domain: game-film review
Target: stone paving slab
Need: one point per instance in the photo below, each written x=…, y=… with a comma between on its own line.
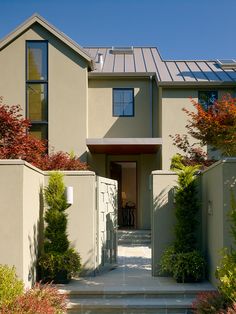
x=132, y=274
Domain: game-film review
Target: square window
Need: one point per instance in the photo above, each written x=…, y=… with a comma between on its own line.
x=123, y=102
x=207, y=98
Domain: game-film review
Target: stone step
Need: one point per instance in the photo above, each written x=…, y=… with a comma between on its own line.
x=131, y=301
x=142, y=237
x=141, y=294
x=129, y=306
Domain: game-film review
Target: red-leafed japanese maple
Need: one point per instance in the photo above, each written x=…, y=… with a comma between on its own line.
x=215, y=126
x=17, y=143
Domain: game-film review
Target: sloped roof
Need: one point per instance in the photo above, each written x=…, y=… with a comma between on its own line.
x=36, y=18
x=148, y=60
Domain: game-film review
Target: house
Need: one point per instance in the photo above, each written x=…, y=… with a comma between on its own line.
x=115, y=107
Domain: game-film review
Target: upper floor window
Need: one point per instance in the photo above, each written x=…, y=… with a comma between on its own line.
x=37, y=61
x=123, y=102
x=207, y=98
x=37, y=87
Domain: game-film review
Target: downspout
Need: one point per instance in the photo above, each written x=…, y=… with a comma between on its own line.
x=151, y=105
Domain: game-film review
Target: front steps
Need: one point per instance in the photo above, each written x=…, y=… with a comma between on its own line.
x=130, y=288
x=134, y=237
x=131, y=302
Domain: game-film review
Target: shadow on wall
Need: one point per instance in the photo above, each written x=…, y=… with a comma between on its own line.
x=36, y=243
x=163, y=224
x=136, y=126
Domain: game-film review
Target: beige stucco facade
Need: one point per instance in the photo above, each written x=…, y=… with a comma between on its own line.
x=80, y=105
x=102, y=123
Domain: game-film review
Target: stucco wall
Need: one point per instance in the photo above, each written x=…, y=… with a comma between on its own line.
x=163, y=217
x=67, y=88
x=101, y=123
x=22, y=209
x=174, y=119
x=32, y=214
x=19, y=211
x=216, y=182
x=11, y=211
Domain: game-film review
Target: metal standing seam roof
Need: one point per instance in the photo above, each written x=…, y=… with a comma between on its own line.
x=148, y=60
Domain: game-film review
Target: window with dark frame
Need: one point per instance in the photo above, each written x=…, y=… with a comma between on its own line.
x=37, y=87
x=207, y=98
x=123, y=102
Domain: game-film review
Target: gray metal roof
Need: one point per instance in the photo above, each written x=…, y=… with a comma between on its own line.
x=148, y=60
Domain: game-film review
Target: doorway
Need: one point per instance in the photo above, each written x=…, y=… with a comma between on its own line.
x=125, y=172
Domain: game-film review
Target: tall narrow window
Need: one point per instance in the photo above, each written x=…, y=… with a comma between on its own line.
x=37, y=87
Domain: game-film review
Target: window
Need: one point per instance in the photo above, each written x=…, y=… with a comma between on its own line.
x=207, y=98
x=123, y=102
x=37, y=87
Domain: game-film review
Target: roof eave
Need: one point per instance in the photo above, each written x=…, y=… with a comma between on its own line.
x=192, y=84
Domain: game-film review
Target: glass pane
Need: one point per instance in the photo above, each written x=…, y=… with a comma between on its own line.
x=39, y=131
x=118, y=95
x=37, y=102
x=118, y=109
x=37, y=61
x=128, y=95
x=128, y=109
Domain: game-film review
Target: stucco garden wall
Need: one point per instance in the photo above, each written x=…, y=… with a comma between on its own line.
x=215, y=186
x=21, y=212
x=163, y=218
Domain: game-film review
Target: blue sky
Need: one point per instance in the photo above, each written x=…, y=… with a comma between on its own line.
x=181, y=29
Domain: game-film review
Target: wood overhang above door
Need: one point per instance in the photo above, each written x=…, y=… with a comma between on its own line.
x=118, y=146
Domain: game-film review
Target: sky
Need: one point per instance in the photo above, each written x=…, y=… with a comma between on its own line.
x=180, y=29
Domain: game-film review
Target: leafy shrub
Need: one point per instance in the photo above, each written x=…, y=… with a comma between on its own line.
x=188, y=267
x=167, y=260
x=54, y=262
x=41, y=299
x=230, y=309
x=10, y=286
x=208, y=303
x=61, y=161
x=226, y=273
x=184, y=267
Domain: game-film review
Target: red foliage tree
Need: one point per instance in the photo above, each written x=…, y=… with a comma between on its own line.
x=16, y=142
x=215, y=126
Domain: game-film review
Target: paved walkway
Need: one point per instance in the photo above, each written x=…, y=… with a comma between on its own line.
x=133, y=273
